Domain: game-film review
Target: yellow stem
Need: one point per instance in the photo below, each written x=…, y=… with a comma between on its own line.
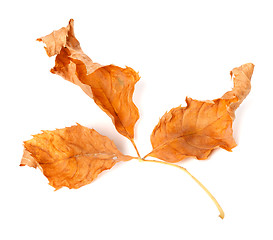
x=222, y=214
x=133, y=142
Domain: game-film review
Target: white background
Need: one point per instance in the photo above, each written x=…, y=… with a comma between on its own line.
x=180, y=48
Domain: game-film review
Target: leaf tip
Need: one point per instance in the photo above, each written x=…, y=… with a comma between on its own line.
x=188, y=100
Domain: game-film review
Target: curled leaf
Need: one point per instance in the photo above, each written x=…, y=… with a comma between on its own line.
x=28, y=160
x=201, y=126
x=110, y=86
x=242, y=86
x=71, y=157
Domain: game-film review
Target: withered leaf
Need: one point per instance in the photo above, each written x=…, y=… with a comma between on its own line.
x=110, y=86
x=242, y=86
x=71, y=157
x=193, y=131
x=201, y=126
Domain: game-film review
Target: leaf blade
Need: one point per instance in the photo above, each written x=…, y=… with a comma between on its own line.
x=173, y=139
x=111, y=87
x=200, y=127
x=71, y=157
x=112, y=96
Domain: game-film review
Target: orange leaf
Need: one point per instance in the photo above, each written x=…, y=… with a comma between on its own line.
x=110, y=86
x=71, y=157
x=201, y=126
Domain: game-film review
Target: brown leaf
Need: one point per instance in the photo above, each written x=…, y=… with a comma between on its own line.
x=201, y=126
x=28, y=160
x=194, y=130
x=242, y=85
x=110, y=86
x=71, y=157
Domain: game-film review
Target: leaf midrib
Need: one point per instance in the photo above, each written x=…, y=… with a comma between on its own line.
x=186, y=135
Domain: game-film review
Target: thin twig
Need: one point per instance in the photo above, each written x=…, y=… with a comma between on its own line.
x=133, y=142
x=222, y=214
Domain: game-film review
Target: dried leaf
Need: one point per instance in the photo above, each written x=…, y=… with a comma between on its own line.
x=71, y=157
x=193, y=131
x=110, y=86
x=28, y=160
x=201, y=126
x=242, y=86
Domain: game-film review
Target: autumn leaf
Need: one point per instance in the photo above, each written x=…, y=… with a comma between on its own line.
x=201, y=126
x=71, y=157
x=110, y=86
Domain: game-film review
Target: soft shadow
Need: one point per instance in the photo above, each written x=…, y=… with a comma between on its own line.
x=239, y=119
